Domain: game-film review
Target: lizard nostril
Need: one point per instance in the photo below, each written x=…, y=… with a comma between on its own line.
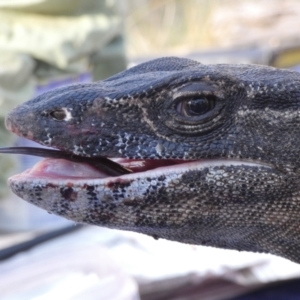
x=58, y=115
x=62, y=114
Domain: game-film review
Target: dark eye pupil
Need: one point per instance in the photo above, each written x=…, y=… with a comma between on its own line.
x=195, y=106
x=198, y=106
x=58, y=115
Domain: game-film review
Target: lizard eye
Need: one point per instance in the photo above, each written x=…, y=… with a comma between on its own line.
x=58, y=115
x=196, y=106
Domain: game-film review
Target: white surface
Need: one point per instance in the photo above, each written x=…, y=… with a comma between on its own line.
x=90, y=263
x=66, y=268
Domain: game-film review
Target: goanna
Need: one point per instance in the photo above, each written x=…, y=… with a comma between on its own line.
x=213, y=150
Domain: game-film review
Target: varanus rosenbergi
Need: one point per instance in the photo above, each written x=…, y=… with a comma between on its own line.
x=213, y=149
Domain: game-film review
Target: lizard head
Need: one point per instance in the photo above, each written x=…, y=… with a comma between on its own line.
x=212, y=149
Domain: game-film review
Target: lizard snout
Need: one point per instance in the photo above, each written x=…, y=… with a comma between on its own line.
x=17, y=122
x=9, y=124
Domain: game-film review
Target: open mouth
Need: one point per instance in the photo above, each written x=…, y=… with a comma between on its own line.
x=56, y=168
x=59, y=165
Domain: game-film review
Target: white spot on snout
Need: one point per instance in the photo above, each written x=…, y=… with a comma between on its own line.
x=68, y=116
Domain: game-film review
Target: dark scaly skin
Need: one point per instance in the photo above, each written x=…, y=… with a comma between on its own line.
x=232, y=204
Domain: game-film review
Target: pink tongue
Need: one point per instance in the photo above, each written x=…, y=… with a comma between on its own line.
x=52, y=167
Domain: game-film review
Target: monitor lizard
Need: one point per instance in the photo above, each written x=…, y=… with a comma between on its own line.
x=212, y=151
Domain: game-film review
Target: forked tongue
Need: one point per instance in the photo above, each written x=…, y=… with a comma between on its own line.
x=100, y=164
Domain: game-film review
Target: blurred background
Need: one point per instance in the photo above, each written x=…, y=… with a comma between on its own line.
x=46, y=44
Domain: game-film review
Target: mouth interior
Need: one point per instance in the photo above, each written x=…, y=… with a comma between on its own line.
x=62, y=168
x=62, y=165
